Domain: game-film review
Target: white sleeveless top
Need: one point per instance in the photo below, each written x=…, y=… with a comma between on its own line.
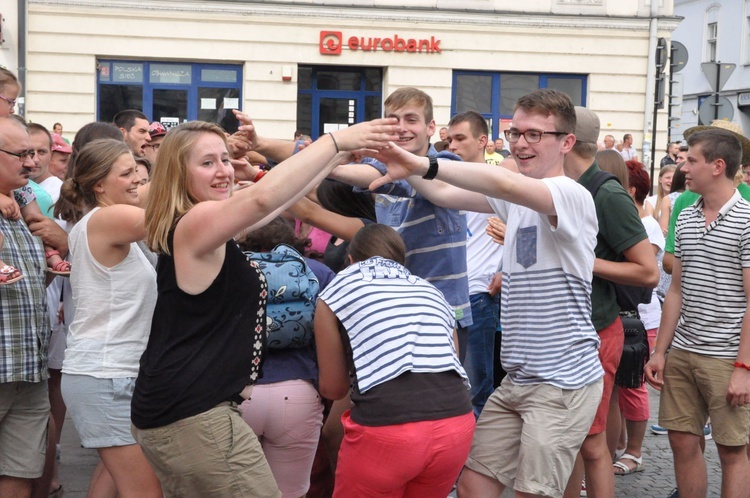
x=113, y=310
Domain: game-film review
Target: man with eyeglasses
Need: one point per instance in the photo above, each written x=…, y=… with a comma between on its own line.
x=532, y=426
x=623, y=255
x=25, y=330
x=157, y=131
x=46, y=186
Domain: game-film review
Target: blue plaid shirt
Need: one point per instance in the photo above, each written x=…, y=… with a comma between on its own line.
x=24, y=320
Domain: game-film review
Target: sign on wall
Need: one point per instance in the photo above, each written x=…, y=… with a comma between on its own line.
x=332, y=42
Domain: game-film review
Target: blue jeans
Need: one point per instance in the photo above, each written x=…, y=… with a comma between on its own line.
x=480, y=348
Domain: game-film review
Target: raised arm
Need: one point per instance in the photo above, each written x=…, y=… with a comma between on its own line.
x=474, y=182
x=275, y=149
x=210, y=224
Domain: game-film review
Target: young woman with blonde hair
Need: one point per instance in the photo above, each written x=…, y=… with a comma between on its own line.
x=208, y=331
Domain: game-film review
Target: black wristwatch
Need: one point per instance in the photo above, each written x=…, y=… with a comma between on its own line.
x=433, y=169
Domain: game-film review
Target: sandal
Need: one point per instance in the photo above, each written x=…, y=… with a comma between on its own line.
x=9, y=275
x=62, y=267
x=622, y=469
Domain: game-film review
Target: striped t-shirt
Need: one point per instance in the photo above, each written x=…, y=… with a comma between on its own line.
x=712, y=258
x=548, y=336
x=396, y=322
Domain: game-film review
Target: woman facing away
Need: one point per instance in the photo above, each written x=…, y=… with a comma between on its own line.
x=209, y=325
x=114, y=290
x=409, y=431
x=285, y=410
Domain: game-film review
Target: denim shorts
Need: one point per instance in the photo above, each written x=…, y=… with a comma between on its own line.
x=100, y=409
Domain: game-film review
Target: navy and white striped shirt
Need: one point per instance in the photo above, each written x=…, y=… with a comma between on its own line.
x=713, y=258
x=396, y=322
x=548, y=336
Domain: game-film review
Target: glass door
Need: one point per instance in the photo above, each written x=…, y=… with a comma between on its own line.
x=334, y=97
x=170, y=106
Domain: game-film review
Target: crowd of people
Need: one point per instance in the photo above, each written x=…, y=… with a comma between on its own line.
x=468, y=316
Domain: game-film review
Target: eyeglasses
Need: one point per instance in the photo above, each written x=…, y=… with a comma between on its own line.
x=10, y=102
x=20, y=155
x=531, y=136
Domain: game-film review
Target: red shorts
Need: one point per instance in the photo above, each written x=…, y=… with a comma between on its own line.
x=612, y=340
x=416, y=459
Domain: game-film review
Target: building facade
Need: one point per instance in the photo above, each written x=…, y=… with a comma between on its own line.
x=715, y=33
x=316, y=65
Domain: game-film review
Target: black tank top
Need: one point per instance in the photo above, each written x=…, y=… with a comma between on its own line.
x=205, y=348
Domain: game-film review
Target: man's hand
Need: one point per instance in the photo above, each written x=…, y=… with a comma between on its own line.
x=238, y=145
x=496, y=284
x=400, y=163
x=9, y=208
x=496, y=229
x=50, y=232
x=655, y=370
x=738, y=392
x=246, y=129
x=243, y=170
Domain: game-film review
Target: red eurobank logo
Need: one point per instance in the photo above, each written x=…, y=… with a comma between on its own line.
x=331, y=43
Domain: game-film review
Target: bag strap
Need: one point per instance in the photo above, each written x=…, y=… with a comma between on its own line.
x=599, y=179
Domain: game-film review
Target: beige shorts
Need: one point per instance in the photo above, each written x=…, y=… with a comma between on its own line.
x=214, y=453
x=527, y=437
x=24, y=418
x=695, y=387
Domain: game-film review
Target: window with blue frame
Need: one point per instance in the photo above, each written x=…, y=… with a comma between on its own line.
x=494, y=94
x=330, y=97
x=170, y=92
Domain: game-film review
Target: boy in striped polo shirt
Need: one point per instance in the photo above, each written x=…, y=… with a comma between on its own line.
x=708, y=369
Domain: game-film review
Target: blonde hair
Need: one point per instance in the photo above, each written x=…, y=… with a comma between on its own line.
x=670, y=168
x=611, y=161
x=92, y=166
x=169, y=197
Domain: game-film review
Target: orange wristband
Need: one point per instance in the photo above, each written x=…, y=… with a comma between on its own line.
x=260, y=175
x=739, y=364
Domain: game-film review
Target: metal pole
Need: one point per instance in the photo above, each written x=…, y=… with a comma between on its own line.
x=669, y=107
x=22, y=28
x=718, y=79
x=653, y=132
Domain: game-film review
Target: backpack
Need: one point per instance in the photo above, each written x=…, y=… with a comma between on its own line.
x=628, y=296
x=292, y=291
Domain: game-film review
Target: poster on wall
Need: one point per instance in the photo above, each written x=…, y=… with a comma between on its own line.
x=170, y=122
x=329, y=127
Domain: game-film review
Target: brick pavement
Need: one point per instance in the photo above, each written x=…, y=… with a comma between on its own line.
x=656, y=481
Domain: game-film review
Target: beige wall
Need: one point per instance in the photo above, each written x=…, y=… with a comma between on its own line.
x=65, y=41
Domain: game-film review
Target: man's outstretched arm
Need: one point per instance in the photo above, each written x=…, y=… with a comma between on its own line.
x=465, y=185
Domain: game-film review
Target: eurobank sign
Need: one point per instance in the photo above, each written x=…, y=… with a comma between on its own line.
x=331, y=43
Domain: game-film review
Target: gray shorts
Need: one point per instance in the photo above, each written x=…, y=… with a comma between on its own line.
x=528, y=436
x=100, y=409
x=24, y=415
